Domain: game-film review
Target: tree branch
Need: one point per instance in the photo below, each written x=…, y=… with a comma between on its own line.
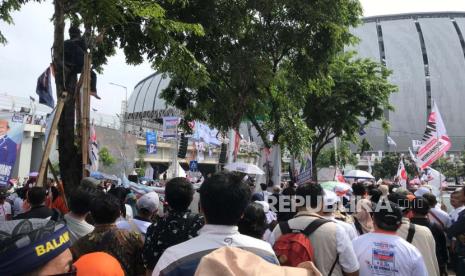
x=260, y=130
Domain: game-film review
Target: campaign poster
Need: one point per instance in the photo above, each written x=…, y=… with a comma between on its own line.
x=11, y=135
x=151, y=142
x=170, y=127
x=303, y=168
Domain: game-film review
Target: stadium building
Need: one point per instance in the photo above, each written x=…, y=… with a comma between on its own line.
x=426, y=52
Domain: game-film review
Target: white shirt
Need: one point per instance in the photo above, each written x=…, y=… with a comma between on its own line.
x=441, y=215
x=454, y=214
x=78, y=228
x=211, y=237
x=5, y=209
x=348, y=228
x=18, y=206
x=141, y=225
x=385, y=254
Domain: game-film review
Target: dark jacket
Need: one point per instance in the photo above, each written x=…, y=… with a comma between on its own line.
x=40, y=212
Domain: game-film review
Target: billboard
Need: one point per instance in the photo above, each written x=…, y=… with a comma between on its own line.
x=11, y=135
x=170, y=127
x=151, y=142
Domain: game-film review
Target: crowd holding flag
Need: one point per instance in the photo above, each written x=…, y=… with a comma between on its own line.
x=435, y=140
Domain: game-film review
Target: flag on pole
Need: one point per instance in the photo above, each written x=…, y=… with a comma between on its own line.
x=435, y=140
x=93, y=149
x=402, y=174
x=338, y=176
x=391, y=141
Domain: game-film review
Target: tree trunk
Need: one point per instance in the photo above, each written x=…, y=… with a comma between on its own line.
x=314, y=167
x=69, y=156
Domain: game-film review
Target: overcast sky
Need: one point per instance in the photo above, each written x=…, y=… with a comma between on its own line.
x=27, y=53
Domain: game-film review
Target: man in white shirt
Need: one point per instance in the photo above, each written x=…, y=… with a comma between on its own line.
x=436, y=215
x=223, y=199
x=79, y=207
x=334, y=254
x=147, y=206
x=5, y=207
x=382, y=252
x=331, y=201
x=457, y=201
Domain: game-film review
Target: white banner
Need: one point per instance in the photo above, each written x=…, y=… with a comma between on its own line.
x=170, y=127
x=435, y=140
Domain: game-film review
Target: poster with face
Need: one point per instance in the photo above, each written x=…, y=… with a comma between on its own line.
x=11, y=134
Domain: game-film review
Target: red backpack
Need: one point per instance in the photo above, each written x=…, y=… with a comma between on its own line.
x=293, y=246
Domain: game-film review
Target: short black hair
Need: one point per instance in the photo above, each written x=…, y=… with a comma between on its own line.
x=401, y=199
x=120, y=193
x=105, y=209
x=387, y=216
x=420, y=206
x=81, y=199
x=311, y=191
x=359, y=189
x=263, y=186
x=179, y=193
x=432, y=200
x=223, y=198
x=375, y=195
x=36, y=195
x=253, y=223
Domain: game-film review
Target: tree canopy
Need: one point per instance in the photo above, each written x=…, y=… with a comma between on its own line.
x=354, y=93
x=249, y=50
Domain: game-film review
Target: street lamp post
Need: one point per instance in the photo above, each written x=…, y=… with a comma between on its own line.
x=123, y=121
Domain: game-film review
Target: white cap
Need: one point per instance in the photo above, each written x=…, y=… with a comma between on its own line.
x=265, y=205
x=149, y=201
x=330, y=198
x=421, y=191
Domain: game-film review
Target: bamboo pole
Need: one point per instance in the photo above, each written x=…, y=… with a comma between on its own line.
x=50, y=139
x=85, y=112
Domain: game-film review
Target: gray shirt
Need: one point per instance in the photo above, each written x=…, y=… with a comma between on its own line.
x=77, y=228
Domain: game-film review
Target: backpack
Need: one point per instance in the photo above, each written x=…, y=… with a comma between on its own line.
x=293, y=246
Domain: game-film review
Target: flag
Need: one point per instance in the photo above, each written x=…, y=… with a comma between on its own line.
x=414, y=159
x=435, y=140
x=338, y=176
x=402, y=174
x=44, y=88
x=93, y=149
x=391, y=141
x=361, y=129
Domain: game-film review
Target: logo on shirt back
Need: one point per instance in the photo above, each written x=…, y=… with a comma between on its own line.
x=383, y=259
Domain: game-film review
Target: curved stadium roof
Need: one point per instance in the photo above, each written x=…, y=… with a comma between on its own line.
x=425, y=51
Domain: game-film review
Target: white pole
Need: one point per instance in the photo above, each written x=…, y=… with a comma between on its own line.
x=231, y=146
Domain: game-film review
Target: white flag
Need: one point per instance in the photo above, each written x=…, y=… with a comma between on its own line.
x=435, y=140
x=402, y=174
x=93, y=149
x=391, y=141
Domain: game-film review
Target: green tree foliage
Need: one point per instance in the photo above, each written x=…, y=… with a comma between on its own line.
x=364, y=146
x=450, y=168
x=140, y=28
x=105, y=157
x=388, y=166
x=354, y=93
x=345, y=156
x=250, y=51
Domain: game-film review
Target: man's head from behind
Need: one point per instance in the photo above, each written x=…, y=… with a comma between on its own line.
x=431, y=198
x=74, y=32
x=36, y=196
x=81, y=200
x=223, y=198
x=147, y=205
x=179, y=193
x=387, y=216
x=312, y=194
x=105, y=209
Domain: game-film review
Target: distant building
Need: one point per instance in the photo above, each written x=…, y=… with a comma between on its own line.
x=426, y=52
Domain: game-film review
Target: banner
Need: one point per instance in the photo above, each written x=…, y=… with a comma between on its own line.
x=11, y=135
x=303, y=169
x=435, y=140
x=170, y=127
x=151, y=142
x=416, y=144
x=204, y=132
x=93, y=149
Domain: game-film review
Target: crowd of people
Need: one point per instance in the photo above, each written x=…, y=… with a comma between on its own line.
x=236, y=229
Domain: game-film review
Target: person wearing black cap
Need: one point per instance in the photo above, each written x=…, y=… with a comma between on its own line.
x=382, y=252
x=34, y=247
x=74, y=49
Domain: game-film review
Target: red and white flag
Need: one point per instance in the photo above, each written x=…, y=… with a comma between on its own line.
x=435, y=140
x=402, y=174
x=338, y=176
x=237, y=144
